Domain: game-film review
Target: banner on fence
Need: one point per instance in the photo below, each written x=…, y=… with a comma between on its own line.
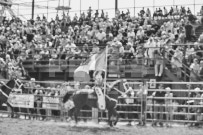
x=51, y=103
x=24, y=101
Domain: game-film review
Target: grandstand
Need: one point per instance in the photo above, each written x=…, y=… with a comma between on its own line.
x=62, y=70
x=150, y=47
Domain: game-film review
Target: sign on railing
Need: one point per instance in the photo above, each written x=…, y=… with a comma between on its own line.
x=51, y=103
x=23, y=101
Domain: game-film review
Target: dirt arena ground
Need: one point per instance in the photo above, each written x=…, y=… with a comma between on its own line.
x=33, y=127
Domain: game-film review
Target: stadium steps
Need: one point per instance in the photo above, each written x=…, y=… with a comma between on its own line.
x=199, y=31
x=170, y=75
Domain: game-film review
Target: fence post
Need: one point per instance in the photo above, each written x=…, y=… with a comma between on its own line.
x=95, y=115
x=145, y=102
x=141, y=112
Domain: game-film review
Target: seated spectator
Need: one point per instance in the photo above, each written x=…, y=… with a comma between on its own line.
x=95, y=48
x=194, y=70
x=128, y=53
x=101, y=35
x=140, y=33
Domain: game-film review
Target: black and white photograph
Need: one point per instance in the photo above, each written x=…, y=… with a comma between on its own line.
x=101, y=67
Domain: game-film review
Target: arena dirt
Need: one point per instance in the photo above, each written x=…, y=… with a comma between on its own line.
x=34, y=127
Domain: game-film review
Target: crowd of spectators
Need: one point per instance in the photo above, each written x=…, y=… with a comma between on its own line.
x=129, y=38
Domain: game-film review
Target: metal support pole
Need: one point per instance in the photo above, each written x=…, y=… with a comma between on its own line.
x=33, y=8
x=153, y=5
x=80, y=7
x=116, y=6
x=98, y=5
x=47, y=9
x=134, y=8
x=194, y=7
x=63, y=9
x=58, y=6
x=18, y=10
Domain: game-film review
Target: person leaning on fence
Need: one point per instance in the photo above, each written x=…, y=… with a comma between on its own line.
x=193, y=95
x=141, y=100
x=198, y=111
x=130, y=101
x=168, y=106
x=158, y=106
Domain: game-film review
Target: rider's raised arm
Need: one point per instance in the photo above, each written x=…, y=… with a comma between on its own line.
x=114, y=83
x=126, y=86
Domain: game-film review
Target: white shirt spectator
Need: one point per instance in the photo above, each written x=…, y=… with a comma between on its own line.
x=200, y=40
x=140, y=32
x=101, y=35
x=131, y=34
x=195, y=66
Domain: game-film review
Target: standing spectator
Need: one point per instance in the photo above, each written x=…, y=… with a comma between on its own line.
x=168, y=106
x=148, y=13
x=149, y=53
x=188, y=31
x=159, y=106
x=177, y=62
x=141, y=100
x=159, y=64
x=165, y=13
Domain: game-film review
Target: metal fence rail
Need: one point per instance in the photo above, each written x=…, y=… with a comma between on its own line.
x=144, y=108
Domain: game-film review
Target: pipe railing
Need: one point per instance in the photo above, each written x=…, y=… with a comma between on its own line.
x=141, y=100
